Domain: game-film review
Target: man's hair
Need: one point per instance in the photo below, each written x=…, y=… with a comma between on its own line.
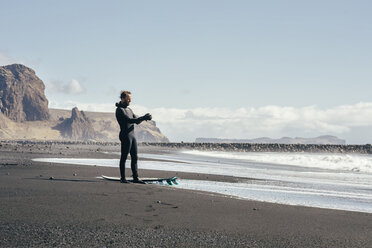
x=124, y=93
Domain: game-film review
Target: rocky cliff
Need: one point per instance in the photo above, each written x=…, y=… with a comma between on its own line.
x=24, y=114
x=107, y=128
x=22, y=95
x=77, y=127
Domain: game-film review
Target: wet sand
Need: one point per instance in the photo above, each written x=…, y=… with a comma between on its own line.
x=76, y=209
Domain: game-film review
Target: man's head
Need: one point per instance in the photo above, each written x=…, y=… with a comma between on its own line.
x=126, y=97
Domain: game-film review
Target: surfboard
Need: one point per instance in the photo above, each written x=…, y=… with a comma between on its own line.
x=169, y=181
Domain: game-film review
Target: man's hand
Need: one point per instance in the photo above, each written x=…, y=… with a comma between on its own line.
x=147, y=117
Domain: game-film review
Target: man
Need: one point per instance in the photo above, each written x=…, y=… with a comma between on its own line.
x=126, y=120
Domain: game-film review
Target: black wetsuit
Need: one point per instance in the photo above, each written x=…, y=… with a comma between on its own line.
x=126, y=120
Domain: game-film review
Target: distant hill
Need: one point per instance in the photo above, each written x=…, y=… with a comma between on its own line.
x=106, y=126
x=24, y=114
x=326, y=139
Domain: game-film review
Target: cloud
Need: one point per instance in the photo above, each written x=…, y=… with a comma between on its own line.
x=74, y=87
x=270, y=121
x=94, y=107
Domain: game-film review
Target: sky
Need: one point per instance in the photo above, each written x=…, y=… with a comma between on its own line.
x=204, y=68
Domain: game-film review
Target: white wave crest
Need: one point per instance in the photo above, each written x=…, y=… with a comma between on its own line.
x=349, y=162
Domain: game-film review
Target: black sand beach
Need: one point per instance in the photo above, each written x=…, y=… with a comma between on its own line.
x=76, y=209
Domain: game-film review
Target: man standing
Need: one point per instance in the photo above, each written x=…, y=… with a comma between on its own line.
x=126, y=120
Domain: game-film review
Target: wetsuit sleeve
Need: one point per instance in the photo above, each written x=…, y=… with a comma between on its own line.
x=136, y=117
x=122, y=117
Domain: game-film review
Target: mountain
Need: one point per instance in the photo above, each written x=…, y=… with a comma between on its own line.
x=22, y=95
x=106, y=126
x=24, y=114
x=326, y=139
x=77, y=127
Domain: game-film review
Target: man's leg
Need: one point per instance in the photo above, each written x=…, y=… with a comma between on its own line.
x=134, y=158
x=125, y=148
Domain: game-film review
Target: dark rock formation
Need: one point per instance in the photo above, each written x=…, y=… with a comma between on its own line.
x=78, y=127
x=22, y=100
x=108, y=128
x=326, y=139
x=22, y=95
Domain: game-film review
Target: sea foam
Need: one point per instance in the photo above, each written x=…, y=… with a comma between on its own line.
x=348, y=162
x=315, y=180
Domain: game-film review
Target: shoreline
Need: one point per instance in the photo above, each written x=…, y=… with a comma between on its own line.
x=81, y=211
x=228, y=147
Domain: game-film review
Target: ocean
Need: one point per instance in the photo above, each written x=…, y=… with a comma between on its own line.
x=332, y=181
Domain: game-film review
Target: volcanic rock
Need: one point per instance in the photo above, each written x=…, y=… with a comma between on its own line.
x=22, y=95
x=78, y=127
x=24, y=114
x=106, y=125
